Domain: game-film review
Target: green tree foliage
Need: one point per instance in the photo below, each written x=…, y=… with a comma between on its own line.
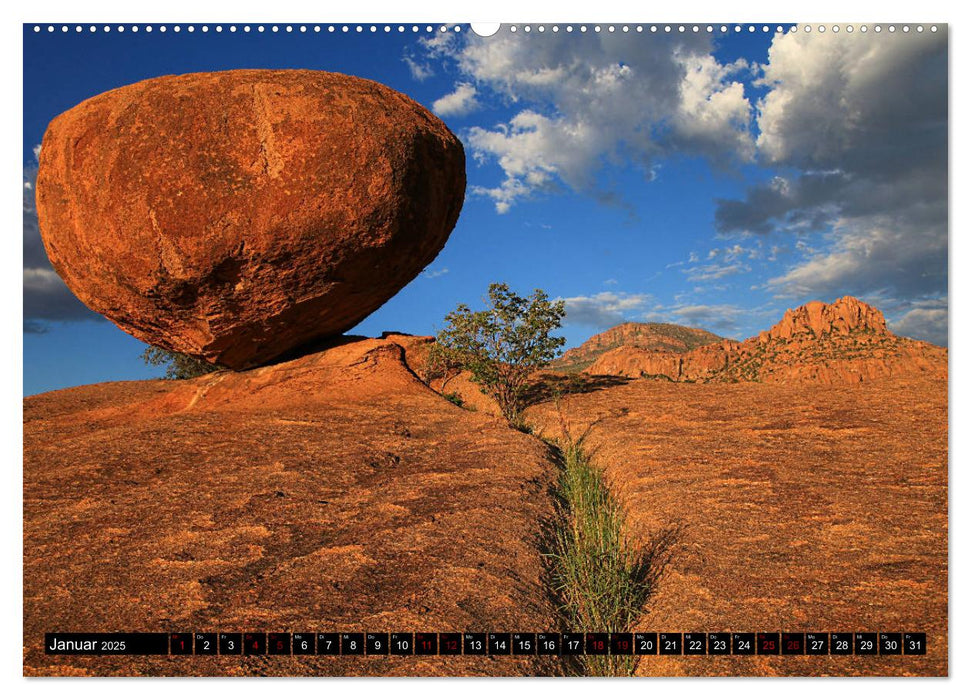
x=441, y=363
x=177, y=365
x=502, y=345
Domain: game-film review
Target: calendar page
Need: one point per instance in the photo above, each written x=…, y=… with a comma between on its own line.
x=538, y=349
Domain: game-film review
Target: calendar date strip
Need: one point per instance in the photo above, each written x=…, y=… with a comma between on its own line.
x=486, y=643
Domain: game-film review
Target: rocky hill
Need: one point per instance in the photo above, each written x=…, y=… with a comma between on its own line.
x=649, y=337
x=843, y=342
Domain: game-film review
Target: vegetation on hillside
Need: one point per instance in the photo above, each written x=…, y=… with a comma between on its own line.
x=177, y=365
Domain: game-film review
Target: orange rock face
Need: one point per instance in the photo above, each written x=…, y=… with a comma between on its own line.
x=634, y=362
x=796, y=501
x=331, y=492
x=843, y=316
x=236, y=216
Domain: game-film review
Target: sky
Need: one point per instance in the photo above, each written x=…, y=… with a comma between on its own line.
x=712, y=180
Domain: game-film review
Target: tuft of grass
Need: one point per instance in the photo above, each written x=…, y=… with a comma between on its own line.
x=602, y=579
x=455, y=398
x=518, y=422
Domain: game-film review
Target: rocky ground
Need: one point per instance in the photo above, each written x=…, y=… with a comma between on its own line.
x=331, y=493
x=336, y=492
x=805, y=508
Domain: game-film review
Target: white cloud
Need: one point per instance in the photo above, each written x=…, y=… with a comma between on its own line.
x=419, y=71
x=715, y=271
x=605, y=309
x=926, y=322
x=432, y=274
x=834, y=96
x=586, y=101
x=713, y=108
x=458, y=102
x=46, y=297
x=863, y=123
x=735, y=252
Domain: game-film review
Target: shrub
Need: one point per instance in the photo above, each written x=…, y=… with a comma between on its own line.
x=441, y=363
x=454, y=397
x=503, y=344
x=177, y=365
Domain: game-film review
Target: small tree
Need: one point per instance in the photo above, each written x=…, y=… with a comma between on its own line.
x=502, y=345
x=441, y=363
x=177, y=365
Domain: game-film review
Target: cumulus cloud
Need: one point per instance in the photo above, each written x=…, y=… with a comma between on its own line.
x=729, y=320
x=605, y=309
x=723, y=318
x=857, y=126
x=926, y=322
x=845, y=101
x=46, y=297
x=585, y=101
x=458, y=102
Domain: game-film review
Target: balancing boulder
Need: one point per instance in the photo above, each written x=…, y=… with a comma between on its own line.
x=237, y=216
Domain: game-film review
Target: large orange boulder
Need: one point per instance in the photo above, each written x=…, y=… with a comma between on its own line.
x=236, y=216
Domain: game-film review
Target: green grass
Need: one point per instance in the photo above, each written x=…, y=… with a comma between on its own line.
x=602, y=580
x=454, y=397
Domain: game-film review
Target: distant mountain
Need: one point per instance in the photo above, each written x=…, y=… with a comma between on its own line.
x=843, y=342
x=650, y=337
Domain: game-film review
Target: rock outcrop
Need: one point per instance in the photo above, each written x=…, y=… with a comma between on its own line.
x=845, y=316
x=650, y=337
x=236, y=216
x=634, y=362
x=843, y=342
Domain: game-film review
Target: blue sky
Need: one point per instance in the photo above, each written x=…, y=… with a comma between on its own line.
x=711, y=180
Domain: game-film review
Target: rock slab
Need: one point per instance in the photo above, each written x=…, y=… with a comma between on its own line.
x=236, y=216
x=331, y=492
